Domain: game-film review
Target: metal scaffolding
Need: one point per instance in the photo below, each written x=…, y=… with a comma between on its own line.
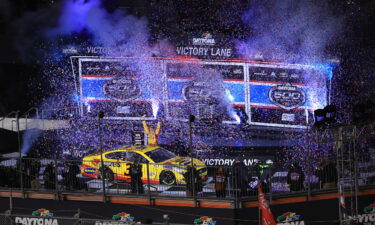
x=345, y=139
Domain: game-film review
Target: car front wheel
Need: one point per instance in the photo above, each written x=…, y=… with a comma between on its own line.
x=167, y=177
x=109, y=176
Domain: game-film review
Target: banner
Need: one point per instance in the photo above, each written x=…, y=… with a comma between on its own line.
x=265, y=94
x=267, y=217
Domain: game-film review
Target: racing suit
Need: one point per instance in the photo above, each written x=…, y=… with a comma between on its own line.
x=152, y=135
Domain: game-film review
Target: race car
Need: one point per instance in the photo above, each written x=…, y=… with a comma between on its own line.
x=164, y=167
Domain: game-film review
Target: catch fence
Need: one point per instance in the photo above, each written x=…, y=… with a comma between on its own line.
x=167, y=180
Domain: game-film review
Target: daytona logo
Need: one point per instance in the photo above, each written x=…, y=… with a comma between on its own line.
x=287, y=96
x=35, y=221
x=198, y=92
x=112, y=223
x=122, y=89
x=293, y=223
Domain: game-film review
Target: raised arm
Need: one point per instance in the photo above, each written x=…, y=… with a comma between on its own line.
x=145, y=127
x=157, y=131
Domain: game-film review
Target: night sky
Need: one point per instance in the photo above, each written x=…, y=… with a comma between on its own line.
x=23, y=51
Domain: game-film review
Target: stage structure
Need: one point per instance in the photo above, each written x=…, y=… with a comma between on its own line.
x=253, y=92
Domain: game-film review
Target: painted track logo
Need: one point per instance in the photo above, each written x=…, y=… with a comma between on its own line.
x=288, y=217
x=204, y=220
x=121, y=89
x=42, y=212
x=287, y=96
x=125, y=217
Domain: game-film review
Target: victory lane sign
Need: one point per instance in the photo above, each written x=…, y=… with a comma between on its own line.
x=205, y=47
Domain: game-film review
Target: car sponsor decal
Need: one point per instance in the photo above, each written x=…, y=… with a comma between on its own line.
x=90, y=170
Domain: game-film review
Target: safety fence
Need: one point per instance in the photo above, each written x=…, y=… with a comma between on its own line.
x=118, y=177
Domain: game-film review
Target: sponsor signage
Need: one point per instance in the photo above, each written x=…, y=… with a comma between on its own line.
x=368, y=216
x=35, y=221
x=205, y=45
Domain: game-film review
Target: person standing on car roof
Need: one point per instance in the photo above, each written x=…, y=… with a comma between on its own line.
x=152, y=135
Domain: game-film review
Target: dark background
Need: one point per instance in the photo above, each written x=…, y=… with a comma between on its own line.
x=20, y=78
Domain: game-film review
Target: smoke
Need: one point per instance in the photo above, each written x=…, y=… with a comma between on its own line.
x=294, y=31
x=123, y=34
x=28, y=139
x=290, y=30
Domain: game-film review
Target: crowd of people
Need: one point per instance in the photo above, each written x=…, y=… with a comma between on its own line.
x=35, y=175
x=236, y=180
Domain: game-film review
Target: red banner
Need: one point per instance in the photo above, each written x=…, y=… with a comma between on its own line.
x=267, y=217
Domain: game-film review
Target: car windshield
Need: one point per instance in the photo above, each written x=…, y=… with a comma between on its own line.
x=160, y=155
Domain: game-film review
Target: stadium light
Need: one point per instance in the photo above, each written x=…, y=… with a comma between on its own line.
x=325, y=117
x=319, y=118
x=330, y=114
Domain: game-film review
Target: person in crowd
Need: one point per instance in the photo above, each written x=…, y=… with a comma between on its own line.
x=199, y=183
x=194, y=185
x=240, y=177
x=73, y=171
x=49, y=177
x=152, y=135
x=295, y=177
x=264, y=175
x=66, y=177
x=220, y=183
x=136, y=177
x=26, y=173
x=35, y=169
x=327, y=174
x=189, y=181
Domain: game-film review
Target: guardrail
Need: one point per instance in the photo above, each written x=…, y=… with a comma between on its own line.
x=124, y=178
x=8, y=115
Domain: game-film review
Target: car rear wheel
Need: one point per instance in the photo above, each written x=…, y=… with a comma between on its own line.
x=109, y=175
x=167, y=177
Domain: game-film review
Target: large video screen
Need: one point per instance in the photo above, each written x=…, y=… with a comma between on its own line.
x=112, y=86
x=280, y=96
x=264, y=94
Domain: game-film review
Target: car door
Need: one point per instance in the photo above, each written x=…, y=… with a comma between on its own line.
x=134, y=156
x=118, y=163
